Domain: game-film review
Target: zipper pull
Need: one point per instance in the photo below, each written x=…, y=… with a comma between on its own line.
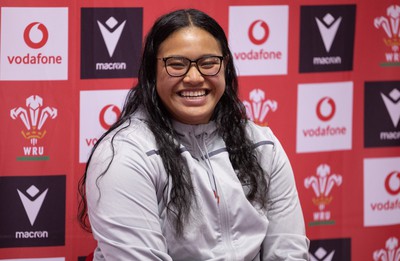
x=216, y=196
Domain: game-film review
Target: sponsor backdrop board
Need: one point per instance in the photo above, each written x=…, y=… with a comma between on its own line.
x=325, y=78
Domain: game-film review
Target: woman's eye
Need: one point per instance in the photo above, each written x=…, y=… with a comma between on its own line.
x=208, y=64
x=176, y=64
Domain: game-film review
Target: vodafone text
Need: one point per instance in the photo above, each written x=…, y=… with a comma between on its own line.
x=258, y=55
x=91, y=141
x=388, y=205
x=35, y=59
x=324, y=131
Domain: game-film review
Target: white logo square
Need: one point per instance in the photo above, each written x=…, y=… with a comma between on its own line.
x=98, y=111
x=258, y=37
x=34, y=43
x=381, y=191
x=324, y=117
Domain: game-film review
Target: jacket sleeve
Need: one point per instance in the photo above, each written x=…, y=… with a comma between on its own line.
x=122, y=204
x=285, y=239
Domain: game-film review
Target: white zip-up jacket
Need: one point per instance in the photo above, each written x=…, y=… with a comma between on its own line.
x=128, y=216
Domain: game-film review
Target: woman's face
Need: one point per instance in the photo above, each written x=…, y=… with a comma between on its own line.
x=190, y=98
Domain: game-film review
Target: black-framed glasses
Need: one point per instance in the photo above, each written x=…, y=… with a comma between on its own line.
x=177, y=66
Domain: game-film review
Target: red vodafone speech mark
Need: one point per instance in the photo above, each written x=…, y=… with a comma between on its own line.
x=389, y=189
x=263, y=26
x=331, y=103
x=42, y=42
x=103, y=111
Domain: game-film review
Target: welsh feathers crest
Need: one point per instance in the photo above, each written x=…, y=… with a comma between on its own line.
x=258, y=107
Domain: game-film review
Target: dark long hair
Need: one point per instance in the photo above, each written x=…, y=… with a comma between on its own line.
x=229, y=115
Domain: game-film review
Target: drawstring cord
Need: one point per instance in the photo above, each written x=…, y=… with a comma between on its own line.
x=210, y=171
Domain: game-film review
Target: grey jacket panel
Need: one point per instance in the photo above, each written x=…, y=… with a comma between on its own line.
x=128, y=215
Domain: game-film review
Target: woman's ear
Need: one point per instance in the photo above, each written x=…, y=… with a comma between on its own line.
x=226, y=59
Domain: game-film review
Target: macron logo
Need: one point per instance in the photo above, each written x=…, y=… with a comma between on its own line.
x=392, y=104
x=32, y=207
x=111, y=36
x=328, y=29
x=322, y=255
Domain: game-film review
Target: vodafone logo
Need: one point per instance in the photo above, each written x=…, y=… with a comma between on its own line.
x=326, y=108
x=392, y=183
x=108, y=115
x=324, y=116
x=261, y=26
x=259, y=39
x=381, y=192
x=36, y=35
x=35, y=43
x=99, y=110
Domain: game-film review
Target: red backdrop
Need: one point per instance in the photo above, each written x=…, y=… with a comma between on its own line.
x=324, y=75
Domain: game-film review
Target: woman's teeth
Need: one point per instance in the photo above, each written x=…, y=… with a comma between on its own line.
x=189, y=94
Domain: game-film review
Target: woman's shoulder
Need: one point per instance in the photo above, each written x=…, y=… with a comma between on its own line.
x=259, y=133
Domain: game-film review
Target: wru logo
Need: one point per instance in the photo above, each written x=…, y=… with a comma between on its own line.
x=322, y=185
x=33, y=117
x=258, y=108
x=391, y=253
x=391, y=26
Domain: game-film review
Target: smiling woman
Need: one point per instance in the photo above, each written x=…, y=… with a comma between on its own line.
x=191, y=96
x=183, y=174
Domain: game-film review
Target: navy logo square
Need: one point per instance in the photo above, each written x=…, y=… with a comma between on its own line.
x=33, y=213
x=382, y=114
x=338, y=249
x=327, y=38
x=111, y=42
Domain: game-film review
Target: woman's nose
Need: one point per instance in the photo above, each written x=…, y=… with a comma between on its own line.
x=193, y=75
